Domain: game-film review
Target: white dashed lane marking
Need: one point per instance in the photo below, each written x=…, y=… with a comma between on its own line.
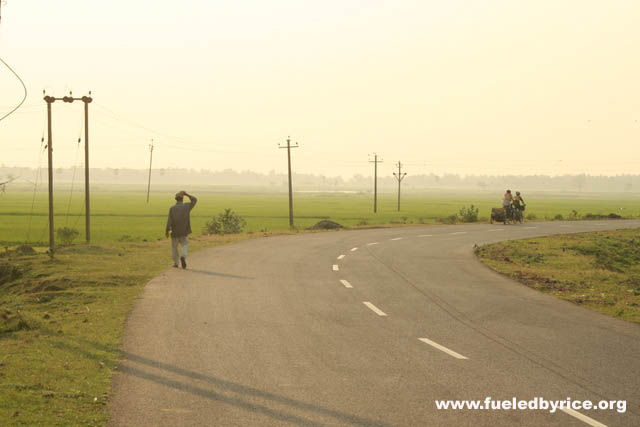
x=335, y=267
x=341, y=256
x=582, y=417
x=459, y=232
x=497, y=229
x=425, y=235
x=372, y=243
x=397, y=238
x=442, y=348
x=345, y=283
x=374, y=308
x=354, y=249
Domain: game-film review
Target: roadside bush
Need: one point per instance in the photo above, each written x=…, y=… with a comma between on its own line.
x=227, y=222
x=558, y=217
x=573, y=215
x=67, y=235
x=469, y=214
x=601, y=216
x=531, y=217
x=451, y=219
x=25, y=249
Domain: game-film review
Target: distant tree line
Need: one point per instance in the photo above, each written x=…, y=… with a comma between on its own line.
x=278, y=181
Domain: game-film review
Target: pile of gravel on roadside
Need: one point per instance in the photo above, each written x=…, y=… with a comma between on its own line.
x=326, y=224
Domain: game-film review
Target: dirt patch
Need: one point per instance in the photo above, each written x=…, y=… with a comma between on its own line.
x=51, y=285
x=9, y=273
x=591, y=216
x=12, y=322
x=531, y=279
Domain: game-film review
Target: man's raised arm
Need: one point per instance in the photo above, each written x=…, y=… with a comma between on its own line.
x=193, y=199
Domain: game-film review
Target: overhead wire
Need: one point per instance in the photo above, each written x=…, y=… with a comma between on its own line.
x=35, y=185
x=186, y=144
x=75, y=169
x=73, y=182
x=24, y=88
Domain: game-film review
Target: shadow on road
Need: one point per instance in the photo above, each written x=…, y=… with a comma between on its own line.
x=223, y=386
x=213, y=273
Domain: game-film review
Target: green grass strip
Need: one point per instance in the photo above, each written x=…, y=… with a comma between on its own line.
x=598, y=270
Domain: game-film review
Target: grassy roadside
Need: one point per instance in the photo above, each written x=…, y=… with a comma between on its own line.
x=61, y=324
x=598, y=270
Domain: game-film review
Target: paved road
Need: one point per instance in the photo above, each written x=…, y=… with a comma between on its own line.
x=288, y=331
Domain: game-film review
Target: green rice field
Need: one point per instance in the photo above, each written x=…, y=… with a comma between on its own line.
x=123, y=214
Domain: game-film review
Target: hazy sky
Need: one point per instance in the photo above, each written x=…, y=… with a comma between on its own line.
x=493, y=86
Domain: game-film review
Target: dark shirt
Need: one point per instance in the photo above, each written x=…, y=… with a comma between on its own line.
x=179, y=221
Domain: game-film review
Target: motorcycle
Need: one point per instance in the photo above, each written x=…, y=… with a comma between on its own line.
x=511, y=214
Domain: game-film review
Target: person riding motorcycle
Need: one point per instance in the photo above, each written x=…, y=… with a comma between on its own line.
x=518, y=201
x=518, y=206
x=507, y=200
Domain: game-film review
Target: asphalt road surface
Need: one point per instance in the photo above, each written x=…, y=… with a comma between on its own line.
x=368, y=328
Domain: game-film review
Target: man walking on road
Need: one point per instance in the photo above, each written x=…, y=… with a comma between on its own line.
x=179, y=224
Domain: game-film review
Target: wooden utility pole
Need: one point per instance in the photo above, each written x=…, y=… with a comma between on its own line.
x=289, y=147
x=150, y=163
x=69, y=99
x=87, y=199
x=375, y=162
x=50, y=100
x=399, y=176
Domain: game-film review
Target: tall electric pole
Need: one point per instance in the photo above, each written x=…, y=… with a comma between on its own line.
x=69, y=99
x=150, y=163
x=375, y=162
x=87, y=199
x=399, y=176
x=289, y=147
x=50, y=100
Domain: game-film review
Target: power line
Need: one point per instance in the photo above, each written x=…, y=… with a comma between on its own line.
x=24, y=88
x=73, y=181
x=183, y=143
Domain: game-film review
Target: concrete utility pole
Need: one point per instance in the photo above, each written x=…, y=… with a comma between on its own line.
x=87, y=100
x=289, y=147
x=375, y=162
x=399, y=176
x=150, y=162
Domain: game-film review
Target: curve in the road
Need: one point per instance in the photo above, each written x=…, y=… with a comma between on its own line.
x=284, y=337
